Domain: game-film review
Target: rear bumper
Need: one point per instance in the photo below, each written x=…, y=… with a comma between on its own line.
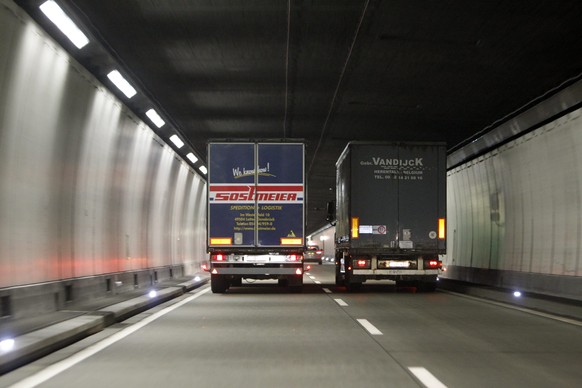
x=258, y=270
x=395, y=272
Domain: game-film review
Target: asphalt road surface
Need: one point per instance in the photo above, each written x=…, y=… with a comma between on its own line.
x=260, y=335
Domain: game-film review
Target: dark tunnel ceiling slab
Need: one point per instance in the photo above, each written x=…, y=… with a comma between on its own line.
x=430, y=70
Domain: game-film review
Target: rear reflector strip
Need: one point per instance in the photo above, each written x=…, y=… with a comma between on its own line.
x=355, y=227
x=442, y=229
x=291, y=241
x=221, y=241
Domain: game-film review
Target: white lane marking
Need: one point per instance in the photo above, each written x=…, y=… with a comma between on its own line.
x=327, y=290
x=316, y=282
x=307, y=273
x=368, y=326
x=426, y=377
x=312, y=277
x=340, y=302
x=61, y=366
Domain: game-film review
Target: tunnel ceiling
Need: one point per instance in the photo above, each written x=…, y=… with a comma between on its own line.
x=332, y=71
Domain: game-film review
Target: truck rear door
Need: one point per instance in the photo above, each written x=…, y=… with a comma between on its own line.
x=256, y=195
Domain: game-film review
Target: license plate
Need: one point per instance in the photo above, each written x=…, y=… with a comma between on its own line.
x=394, y=264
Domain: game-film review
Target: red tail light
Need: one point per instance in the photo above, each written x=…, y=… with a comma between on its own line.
x=362, y=263
x=218, y=257
x=432, y=263
x=319, y=252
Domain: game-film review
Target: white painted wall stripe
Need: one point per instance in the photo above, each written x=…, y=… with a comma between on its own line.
x=61, y=366
x=341, y=302
x=368, y=326
x=426, y=377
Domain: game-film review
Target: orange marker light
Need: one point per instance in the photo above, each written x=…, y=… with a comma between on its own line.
x=291, y=241
x=355, y=227
x=442, y=229
x=221, y=241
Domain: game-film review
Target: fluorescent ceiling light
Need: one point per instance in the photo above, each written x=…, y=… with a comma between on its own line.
x=122, y=83
x=177, y=141
x=64, y=23
x=204, y=170
x=192, y=158
x=155, y=117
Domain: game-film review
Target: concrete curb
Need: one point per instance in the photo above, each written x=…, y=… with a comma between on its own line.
x=557, y=306
x=39, y=343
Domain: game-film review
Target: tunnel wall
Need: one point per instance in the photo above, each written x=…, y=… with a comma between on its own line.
x=88, y=191
x=327, y=244
x=514, y=213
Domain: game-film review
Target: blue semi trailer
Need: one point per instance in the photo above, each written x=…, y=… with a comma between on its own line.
x=256, y=212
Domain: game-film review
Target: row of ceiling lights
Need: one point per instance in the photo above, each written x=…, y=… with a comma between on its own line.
x=80, y=40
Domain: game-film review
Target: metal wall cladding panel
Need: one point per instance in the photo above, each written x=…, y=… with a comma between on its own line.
x=528, y=214
x=86, y=188
x=479, y=190
x=397, y=192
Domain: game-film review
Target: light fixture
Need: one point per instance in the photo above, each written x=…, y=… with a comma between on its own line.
x=192, y=158
x=203, y=170
x=155, y=118
x=64, y=23
x=517, y=294
x=7, y=344
x=152, y=293
x=122, y=84
x=177, y=141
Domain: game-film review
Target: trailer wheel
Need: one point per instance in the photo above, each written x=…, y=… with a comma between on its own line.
x=427, y=286
x=236, y=281
x=295, y=283
x=218, y=284
x=353, y=287
x=339, y=277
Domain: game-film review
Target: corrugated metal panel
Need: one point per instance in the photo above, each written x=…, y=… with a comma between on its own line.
x=86, y=188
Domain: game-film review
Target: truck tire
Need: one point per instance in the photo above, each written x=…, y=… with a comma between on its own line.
x=406, y=284
x=339, y=277
x=218, y=284
x=295, y=283
x=236, y=281
x=353, y=287
x=429, y=286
